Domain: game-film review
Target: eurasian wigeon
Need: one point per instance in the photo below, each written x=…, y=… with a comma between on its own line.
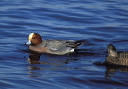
x=118, y=58
x=52, y=46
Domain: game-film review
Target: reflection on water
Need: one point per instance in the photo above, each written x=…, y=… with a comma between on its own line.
x=100, y=22
x=36, y=70
x=38, y=65
x=112, y=69
x=39, y=62
x=34, y=58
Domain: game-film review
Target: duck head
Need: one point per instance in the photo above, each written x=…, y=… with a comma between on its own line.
x=112, y=50
x=34, y=39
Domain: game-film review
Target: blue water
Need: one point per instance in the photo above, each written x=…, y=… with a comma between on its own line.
x=99, y=22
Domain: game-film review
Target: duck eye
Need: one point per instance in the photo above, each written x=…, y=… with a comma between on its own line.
x=33, y=38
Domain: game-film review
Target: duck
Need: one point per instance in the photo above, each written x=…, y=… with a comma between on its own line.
x=117, y=58
x=52, y=46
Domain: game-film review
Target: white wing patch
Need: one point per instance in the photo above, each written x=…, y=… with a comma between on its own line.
x=72, y=50
x=53, y=49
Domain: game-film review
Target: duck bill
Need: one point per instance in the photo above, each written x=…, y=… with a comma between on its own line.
x=28, y=43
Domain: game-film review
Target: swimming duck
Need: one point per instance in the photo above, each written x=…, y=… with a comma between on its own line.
x=118, y=58
x=52, y=46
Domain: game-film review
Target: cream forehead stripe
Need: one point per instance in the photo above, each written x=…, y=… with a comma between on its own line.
x=30, y=36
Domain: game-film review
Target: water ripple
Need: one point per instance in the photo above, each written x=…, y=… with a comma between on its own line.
x=98, y=22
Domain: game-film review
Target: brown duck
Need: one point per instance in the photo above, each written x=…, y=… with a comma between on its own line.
x=118, y=58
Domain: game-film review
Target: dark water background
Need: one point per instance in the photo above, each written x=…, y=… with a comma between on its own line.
x=99, y=22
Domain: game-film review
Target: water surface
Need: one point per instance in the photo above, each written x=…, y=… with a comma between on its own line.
x=98, y=22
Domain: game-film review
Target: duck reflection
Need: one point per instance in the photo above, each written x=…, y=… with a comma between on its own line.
x=52, y=62
x=34, y=58
x=112, y=69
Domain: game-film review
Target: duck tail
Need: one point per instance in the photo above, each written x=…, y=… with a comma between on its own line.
x=112, y=50
x=75, y=44
x=80, y=42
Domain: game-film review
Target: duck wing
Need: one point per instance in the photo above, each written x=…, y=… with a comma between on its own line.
x=63, y=45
